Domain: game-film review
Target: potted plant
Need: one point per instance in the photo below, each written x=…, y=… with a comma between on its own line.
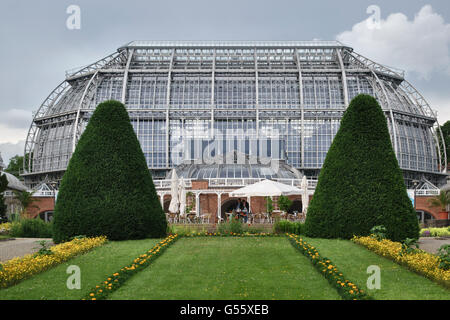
x=284, y=203
x=441, y=201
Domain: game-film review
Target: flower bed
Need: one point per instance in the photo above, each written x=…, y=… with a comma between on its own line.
x=118, y=278
x=5, y=227
x=421, y=262
x=17, y=269
x=435, y=232
x=346, y=288
x=230, y=234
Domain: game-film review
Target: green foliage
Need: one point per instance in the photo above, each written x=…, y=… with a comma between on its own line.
x=409, y=246
x=43, y=249
x=3, y=186
x=284, y=203
x=25, y=198
x=234, y=225
x=445, y=128
x=286, y=226
x=441, y=201
x=360, y=184
x=444, y=257
x=378, y=232
x=107, y=188
x=15, y=166
x=269, y=205
x=435, y=232
x=31, y=228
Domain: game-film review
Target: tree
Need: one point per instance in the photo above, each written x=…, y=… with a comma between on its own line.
x=284, y=203
x=440, y=201
x=361, y=184
x=25, y=198
x=107, y=188
x=3, y=186
x=15, y=166
x=445, y=128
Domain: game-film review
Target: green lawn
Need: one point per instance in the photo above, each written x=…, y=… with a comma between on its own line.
x=397, y=282
x=95, y=266
x=228, y=268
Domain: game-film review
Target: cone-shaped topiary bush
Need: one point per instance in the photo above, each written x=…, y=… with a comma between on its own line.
x=107, y=188
x=361, y=185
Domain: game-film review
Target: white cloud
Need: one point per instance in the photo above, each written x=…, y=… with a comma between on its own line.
x=9, y=150
x=14, y=125
x=12, y=135
x=16, y=118
x=420, y=45
x=441, y=105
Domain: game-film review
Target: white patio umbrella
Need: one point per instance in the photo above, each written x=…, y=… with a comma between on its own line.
x=266, y=188
x=173, y=207
x=305, y=196
x=182, y=196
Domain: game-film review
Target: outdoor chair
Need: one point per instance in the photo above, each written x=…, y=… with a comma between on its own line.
x=191, y=217
x=258, y=218
x=182, y=218
x=173, y=217
x=205, y=218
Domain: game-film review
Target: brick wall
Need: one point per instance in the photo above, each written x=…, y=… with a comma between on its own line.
x=40, y=205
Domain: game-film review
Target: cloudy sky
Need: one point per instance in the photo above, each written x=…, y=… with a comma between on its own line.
x=37, y=47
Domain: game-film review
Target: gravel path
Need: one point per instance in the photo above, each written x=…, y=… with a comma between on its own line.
x=19, y=247
x=431, y=244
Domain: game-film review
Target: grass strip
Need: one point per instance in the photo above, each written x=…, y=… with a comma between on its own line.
x=118, y=278
x=347, y=289
x=418, y=261
x=95, y=266
x=396, y=281
x=15, y=270
x=229, y=268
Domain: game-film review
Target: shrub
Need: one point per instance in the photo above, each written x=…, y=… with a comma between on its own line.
x=284, y=203
x=444, y=257
x=286, y=226
x=435, y=232
x=31, y=228
x=234, y=225
x=379, y=232
x=107, y=188
x=3, y=185
x=360, y=184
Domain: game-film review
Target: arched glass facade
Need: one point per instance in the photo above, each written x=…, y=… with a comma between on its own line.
x=206, y=102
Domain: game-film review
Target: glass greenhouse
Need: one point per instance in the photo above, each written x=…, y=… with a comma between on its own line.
x=223, y=109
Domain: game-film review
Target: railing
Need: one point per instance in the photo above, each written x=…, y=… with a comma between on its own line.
x=166, y=183
x=234, y=182
x=44, y=193
x=432, y=192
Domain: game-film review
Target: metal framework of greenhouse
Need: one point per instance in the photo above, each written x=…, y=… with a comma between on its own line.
x=182, y=94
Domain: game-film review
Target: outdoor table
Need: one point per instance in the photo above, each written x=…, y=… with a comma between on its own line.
x=191, y=217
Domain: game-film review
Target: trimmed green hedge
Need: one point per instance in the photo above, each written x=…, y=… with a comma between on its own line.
x=361, y=185
x=107, y=188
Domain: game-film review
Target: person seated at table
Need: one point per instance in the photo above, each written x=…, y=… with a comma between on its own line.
x=245, y=210
x=239, y=205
